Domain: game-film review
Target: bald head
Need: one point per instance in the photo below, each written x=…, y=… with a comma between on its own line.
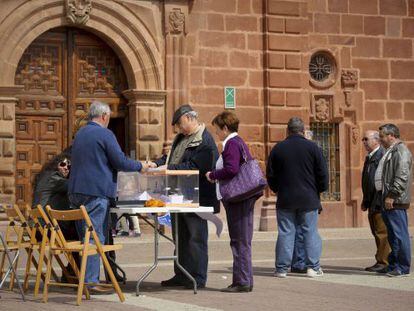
x=371, y=140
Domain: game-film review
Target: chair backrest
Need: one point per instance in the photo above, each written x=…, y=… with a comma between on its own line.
x=17, y=225
x=79, y=214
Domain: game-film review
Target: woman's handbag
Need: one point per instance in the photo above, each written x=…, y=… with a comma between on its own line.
x=248, y=182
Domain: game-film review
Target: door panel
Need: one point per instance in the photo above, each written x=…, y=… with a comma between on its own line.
x=62, y=72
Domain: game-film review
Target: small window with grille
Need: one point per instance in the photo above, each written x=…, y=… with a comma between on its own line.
x=326, y=135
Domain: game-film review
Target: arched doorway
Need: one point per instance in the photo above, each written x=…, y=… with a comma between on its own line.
x=61, y=72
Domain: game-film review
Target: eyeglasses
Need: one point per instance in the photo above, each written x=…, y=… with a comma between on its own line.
x=65, y=164
x=365, y=139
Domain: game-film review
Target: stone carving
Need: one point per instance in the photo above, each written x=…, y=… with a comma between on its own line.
x=176, y=21
x=322, y=110
x=77, y=11
x=349, y=79
x=355, y=135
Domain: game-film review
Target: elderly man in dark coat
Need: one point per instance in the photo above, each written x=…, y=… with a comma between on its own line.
x=297, y=174
x=371, y=200
x=192, y=149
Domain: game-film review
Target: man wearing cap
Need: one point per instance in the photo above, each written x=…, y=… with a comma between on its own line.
x=192, y=149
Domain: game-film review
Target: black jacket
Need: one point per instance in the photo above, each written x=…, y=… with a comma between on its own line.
x=297, y=173
x=200, y=156
x=52, y=189
x=371, y=197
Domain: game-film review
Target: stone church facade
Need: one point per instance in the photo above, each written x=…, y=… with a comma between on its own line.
x=344, y=66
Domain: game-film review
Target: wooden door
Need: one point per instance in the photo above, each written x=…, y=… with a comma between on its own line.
x=62, y=72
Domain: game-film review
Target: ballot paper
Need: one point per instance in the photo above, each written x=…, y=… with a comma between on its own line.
x=214, y=219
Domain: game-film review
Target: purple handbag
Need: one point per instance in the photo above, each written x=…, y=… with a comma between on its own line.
x=248, y=182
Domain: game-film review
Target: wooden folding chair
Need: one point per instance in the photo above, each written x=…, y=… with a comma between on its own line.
x=38, y=221
x=13, y=241
x=85, y=249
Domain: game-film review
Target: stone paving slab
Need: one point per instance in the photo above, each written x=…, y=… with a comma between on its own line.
x=345, y=285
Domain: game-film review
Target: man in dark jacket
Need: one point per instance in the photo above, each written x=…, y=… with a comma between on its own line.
x=192, y=149
x=297, y=174
x=394, y=178
x=371, y=200
x=96, y=160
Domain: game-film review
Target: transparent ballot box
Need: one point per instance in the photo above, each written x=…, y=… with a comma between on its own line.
x=167, y=187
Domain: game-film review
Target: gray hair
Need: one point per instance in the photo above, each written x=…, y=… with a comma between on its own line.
x=295, y=126
x=375, y=135
x=390, y=129
x=97, y=109
x=192, y=114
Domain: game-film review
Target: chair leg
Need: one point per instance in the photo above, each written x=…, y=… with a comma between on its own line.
x=82, y=277
x=47, y=277
x=39, y=268
x=13, y=273
x=3, y=257
x=112, y=277
x=27, y=272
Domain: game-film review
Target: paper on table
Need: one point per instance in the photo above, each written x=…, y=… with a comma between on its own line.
x=144, y=196
x=214, y=219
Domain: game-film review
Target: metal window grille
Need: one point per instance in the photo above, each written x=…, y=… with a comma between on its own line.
x=326, y=135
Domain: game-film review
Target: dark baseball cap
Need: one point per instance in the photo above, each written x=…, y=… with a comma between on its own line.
x=179, y=112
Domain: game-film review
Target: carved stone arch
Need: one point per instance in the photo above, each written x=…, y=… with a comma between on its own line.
x=113, y=22
x=128, y=27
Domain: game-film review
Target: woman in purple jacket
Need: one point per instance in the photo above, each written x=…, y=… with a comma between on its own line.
x=240, y=214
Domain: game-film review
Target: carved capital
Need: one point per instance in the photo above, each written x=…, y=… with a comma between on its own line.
x=176, y=18
x=145, y=96
x=77, y=11
x=349, y=78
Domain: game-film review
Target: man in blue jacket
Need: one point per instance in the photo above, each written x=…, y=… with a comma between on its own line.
x=297, y=174
x=96, y=160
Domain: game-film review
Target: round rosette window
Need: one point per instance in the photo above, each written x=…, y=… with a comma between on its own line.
x=322, y=69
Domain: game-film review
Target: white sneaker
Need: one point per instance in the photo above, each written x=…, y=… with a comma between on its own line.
x=314, y=273
x=280, y=274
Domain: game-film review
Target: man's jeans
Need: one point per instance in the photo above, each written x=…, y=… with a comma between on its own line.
x=98, y=210
x=298, y=260
x=399, y=239
x=307, y=222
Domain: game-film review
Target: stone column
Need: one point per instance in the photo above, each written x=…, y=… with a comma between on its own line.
x=146, y=122
x=8, y=143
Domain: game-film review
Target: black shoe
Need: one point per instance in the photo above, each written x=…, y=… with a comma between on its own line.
x=173, y=282
x=383, y=270
x=237, y=289
x=297, y=270
x=375, y=268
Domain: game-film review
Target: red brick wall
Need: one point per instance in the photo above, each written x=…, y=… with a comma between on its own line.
x=263, y=49
x=226, y=49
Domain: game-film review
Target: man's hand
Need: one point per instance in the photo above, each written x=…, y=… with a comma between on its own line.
x=145, y=166
x=208, y=177
x=151, y=164
x=389, y=202
x=363, y=207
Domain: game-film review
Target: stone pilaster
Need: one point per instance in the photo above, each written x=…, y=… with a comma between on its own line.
x=7, y=144
x=177, y=61
x=146, y=122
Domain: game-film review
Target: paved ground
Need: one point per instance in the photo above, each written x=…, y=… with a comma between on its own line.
x=345, y=285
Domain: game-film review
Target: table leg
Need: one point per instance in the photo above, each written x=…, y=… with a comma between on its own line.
x=155, y=264
x=176, y=259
